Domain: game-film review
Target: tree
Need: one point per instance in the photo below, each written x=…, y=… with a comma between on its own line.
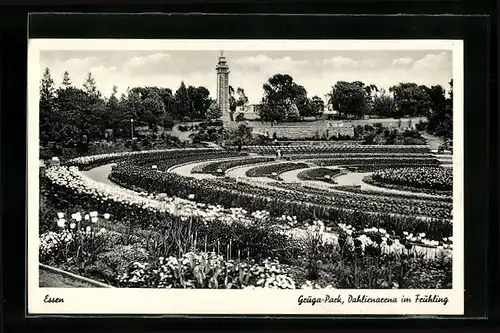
x=199, y=102
x=66, y=82
x=440, y=119
x=46, y=106
x=371, y=92
x=89, y=86
x=47, y=88
x=232, y=103
x=411, y=100
x=148, y=106
x=317, y=106
x=182, y=102
x=383, y=105
x=239, y=136
x=213, y=112
x=349, y=98
x=280, y=93
x=242, y=98
x=112, y=116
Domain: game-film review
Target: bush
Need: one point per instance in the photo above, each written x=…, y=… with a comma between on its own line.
x=115, y=262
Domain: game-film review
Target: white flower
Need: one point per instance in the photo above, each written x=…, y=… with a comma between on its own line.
x=93, y=214
x=60, y=215
x=88, y=229
x=191, y=196
x=106, y=216
x=78, y=217
x=87, y=217
x=103, y=230
x=61, y=223
x=94, y=219
x=72, y=225
x=154, y=167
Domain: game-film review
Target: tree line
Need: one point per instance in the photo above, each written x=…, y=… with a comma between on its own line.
x=70, y=114
x=285, y=100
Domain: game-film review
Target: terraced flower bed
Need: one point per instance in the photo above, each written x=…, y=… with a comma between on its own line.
x=274, y=170
x=141, y=157
x=218, y=168
x=172, y=228
x=358, y=155
x=297, y=202
x=320, y=174
x=423, y=179
x=379, y=204
x=393, y=149
x=375, y=162
x=354, y=189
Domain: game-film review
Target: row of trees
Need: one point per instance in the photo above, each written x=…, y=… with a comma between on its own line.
x=285, y=100
x=69, y=114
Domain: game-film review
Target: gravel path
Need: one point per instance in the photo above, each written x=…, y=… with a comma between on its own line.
x=100, y=174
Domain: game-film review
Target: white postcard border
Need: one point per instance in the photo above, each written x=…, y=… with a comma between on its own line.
x=227, y=302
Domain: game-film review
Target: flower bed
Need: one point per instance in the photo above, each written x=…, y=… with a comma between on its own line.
x=332, y=148
x=274, y=170
x=377, y=204
x=300, y=203
x=139, y=265
x=140, y=229
x=321, y=174
x=353, y=189
x=375, y=162
x=220, y=167
x=144, y=157
x=435, y=180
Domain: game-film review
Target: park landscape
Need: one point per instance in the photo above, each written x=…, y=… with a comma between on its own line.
x=156, y=189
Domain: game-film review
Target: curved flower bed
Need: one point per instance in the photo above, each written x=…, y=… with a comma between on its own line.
x=145, y=156
x=220, y=167
x=296, y=149
x=380, y=204
x=300, y=203
x=376, y=161
x=280, y=228
x=273, y=170
x=436, y=179
x=321, y=174
x=354, y=189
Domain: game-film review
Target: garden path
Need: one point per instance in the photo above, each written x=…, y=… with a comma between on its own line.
x=100, y=174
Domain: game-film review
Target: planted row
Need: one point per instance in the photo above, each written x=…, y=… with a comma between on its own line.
x=439, y=178
x=218, y=167
x=274, y=169
x=338, y=149
x=321, y=174
x=291, y=202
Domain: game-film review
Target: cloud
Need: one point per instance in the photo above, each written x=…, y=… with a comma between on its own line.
x=431, y=62
x=402, y=62
x=266, y=64
x=153, y=63
x=341, y=63
x=316, y=73
x=79, y=63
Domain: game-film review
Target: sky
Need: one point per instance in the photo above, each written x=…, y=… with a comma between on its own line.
x=317, y=71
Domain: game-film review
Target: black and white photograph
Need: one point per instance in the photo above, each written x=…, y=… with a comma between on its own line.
x=298, y=176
